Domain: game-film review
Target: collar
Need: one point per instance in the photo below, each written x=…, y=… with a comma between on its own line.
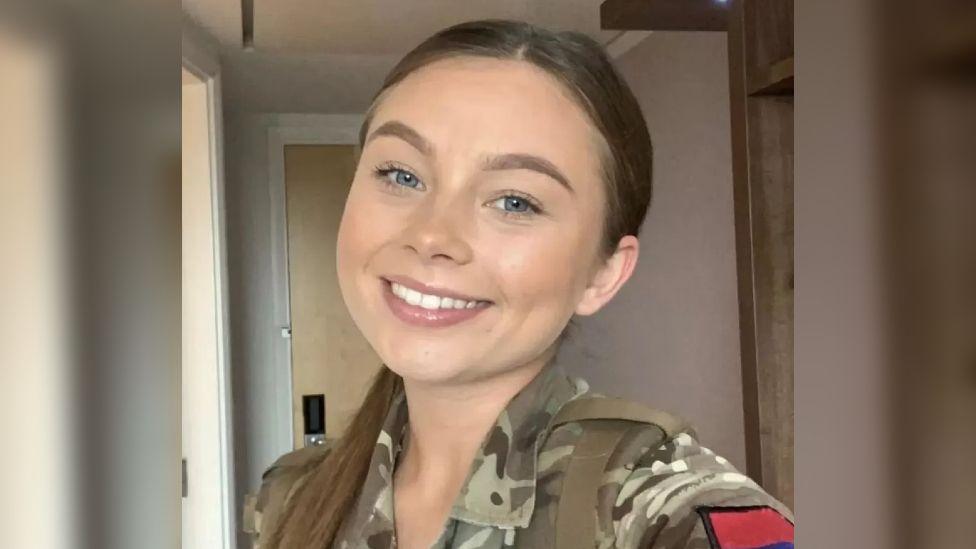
x=500, y=489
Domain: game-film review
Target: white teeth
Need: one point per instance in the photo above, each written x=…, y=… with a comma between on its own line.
x=413, y=297
x=428, y=301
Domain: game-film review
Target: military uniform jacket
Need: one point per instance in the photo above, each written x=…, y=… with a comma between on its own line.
x=674, y=495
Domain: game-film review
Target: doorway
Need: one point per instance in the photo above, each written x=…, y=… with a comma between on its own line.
x=329, y=356
x=207, y=478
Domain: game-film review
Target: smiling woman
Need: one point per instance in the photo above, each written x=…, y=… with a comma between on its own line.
x=504, y=176
x=478, y=205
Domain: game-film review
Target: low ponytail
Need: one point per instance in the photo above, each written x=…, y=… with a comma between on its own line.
x=315, y=513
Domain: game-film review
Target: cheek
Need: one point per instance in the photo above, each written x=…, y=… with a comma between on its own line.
x=357, y=234
x=541, y=270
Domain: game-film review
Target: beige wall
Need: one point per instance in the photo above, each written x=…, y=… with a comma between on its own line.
x=670, y=338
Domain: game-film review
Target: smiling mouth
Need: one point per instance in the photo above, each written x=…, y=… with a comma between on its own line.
x=432, y=301
x=425, y=309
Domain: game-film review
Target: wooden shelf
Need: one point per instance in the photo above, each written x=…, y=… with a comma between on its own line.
x=773, y=79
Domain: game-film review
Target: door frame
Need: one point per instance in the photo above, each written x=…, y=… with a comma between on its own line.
x=284, y=130
x=199, y=57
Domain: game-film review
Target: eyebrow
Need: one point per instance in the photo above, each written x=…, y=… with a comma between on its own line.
x=398, y=129
x=500, y=162
x=522, y=161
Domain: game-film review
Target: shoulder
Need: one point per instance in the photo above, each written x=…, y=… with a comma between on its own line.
x=278, y=483
x=680, y=494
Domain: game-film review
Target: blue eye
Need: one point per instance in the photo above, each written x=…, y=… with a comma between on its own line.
x=406, y=179
x=402, y=178
x=515, y=204
x=396, y=177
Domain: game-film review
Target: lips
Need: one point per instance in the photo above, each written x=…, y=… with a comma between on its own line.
x=425, y=289
x=418, y=304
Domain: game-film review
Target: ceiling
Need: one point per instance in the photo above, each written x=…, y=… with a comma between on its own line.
x=395, y=26
x=329, y=56
x=221, y=18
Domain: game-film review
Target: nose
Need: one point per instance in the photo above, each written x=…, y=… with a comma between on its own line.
x=437, y=233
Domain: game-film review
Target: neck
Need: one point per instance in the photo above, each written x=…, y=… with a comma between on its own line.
x=448, y=423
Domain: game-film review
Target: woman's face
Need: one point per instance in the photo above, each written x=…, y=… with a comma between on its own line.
x=472, y=228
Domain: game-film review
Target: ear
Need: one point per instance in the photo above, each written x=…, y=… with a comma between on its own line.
x=610, y=276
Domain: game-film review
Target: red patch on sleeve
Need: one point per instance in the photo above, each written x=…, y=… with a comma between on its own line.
x=747, y=528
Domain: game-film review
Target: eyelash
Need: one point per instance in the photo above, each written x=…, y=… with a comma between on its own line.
x=382, y=172
x=534, y=207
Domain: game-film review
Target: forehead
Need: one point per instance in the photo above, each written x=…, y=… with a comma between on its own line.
x=472, y=105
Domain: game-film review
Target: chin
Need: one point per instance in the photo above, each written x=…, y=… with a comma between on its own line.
x=427, y=370
x=428, y=363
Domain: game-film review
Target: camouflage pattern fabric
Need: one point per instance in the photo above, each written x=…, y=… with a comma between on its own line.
x=279, y=482
x=648, y=500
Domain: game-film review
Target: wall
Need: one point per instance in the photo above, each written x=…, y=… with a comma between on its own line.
x=39, y=383
x=670, y=338
x=251, y=310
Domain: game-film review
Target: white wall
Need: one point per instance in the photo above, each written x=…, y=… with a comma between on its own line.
x=670, y=338
x=249, y=276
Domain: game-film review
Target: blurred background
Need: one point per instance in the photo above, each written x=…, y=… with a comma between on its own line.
x=171, y=322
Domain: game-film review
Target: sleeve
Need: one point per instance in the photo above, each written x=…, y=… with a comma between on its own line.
x=683, y=496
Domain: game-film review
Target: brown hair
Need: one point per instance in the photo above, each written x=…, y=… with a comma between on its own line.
x=316, y=511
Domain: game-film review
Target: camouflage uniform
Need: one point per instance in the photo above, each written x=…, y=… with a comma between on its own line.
x=651, y=496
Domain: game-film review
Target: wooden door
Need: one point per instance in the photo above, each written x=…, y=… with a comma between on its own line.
x=329, y=354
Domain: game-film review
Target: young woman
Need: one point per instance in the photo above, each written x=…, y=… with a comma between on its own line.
x=504, y=176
